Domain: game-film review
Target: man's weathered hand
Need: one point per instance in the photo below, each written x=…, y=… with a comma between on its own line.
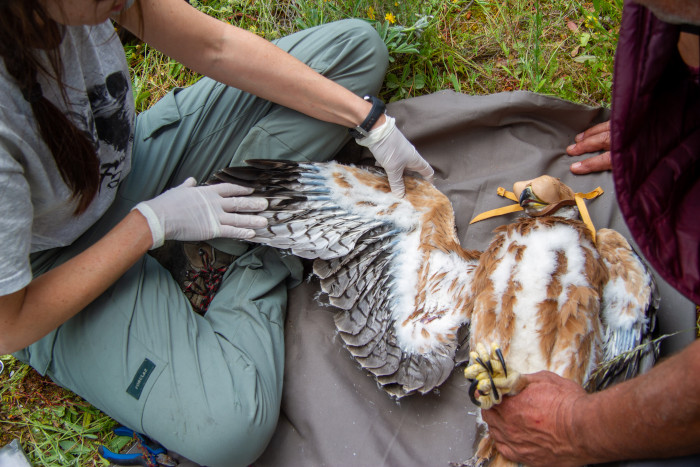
x=596, y=138
x=534, y=427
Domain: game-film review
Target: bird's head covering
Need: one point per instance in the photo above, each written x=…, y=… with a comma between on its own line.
x=543, y=195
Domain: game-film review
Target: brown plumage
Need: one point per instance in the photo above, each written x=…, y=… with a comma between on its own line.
x=405, y=292
x=553, y=299
x=393, y=268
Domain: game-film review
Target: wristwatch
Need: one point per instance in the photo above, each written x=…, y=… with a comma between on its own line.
x=378, y=108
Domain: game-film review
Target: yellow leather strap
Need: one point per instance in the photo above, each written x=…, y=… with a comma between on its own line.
x=497, y=212
x=500, y=211
x=583, y=210
x=578, y=197
x=507, y=194
x=592, y=194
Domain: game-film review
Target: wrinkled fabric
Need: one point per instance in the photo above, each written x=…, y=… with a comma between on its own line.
x=655, y=147
x=333, y=413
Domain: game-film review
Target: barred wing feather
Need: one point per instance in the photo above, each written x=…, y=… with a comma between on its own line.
x=392, y=267
x=628, y=311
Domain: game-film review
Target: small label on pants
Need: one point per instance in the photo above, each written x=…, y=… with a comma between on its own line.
x=140, y=378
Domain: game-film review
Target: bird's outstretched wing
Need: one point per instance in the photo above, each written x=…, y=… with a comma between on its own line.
x=393, y=266
x=628, y=311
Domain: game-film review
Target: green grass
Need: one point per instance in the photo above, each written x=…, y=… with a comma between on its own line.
x=558, y=47
x=562, y=48
x=55, y=426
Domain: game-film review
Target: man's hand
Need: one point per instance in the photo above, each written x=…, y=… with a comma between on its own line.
x=596, y=138
x=534, y=427
x=395, y=154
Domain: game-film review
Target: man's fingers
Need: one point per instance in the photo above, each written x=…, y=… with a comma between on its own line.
x=594, y=130
x=596, y=138
x=597, y=163
x=596, y=142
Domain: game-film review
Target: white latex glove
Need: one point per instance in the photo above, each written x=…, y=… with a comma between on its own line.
x=396, y=154
x=190, y=212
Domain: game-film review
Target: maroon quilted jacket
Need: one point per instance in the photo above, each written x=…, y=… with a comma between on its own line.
x=655, y=147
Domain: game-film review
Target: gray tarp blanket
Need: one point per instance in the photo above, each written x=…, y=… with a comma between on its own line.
x=333, y=413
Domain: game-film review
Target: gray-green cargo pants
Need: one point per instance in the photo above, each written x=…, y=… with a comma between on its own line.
x=207, y=387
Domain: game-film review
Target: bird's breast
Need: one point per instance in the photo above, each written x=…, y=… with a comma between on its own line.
x=434, y=300
x=534, y=295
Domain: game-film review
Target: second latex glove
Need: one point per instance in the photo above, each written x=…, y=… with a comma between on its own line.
x=190, y=212
x=395, y=154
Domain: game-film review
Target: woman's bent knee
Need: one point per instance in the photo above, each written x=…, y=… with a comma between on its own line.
x=226, y=437
x=241, y=445
x=365, y=33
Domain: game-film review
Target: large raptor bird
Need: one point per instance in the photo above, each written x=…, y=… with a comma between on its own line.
x=406, y=292
x=551, y=294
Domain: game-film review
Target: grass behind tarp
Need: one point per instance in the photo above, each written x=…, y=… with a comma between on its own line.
x=561, y=48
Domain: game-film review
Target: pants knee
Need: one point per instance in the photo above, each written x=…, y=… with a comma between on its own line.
x=353, y=54
x=234, y=442
x=372, y=48
x=365, y=33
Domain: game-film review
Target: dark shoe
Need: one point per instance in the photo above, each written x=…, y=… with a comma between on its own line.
x=197, y=268
x=203, y=278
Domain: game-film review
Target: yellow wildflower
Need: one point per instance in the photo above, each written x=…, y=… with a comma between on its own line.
x=390, y=17
x=370, y=13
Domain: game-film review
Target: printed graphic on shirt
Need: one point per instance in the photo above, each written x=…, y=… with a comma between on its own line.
x=112, y=125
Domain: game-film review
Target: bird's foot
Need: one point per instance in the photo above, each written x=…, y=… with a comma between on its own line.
x=489, y=376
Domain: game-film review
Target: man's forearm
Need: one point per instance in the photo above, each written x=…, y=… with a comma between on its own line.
x=655, y=415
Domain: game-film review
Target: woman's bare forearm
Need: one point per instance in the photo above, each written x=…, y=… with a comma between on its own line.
x=54, y=297
x=241, y=59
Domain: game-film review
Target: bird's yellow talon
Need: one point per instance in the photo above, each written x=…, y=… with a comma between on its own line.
x=473, y=371
x=489, y=376
x=484, y=386
x=483, y=352
x=497, y=366
x=486, y=402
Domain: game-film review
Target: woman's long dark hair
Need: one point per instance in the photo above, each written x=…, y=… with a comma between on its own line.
x=25, y=27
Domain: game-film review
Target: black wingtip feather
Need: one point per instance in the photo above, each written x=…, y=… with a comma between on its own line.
x=272, y=164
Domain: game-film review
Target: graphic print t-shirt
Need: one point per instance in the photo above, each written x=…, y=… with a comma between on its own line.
x=36, y=206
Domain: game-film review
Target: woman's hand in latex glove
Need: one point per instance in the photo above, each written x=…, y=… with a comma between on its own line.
x=395, y=154
x=190, y=212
